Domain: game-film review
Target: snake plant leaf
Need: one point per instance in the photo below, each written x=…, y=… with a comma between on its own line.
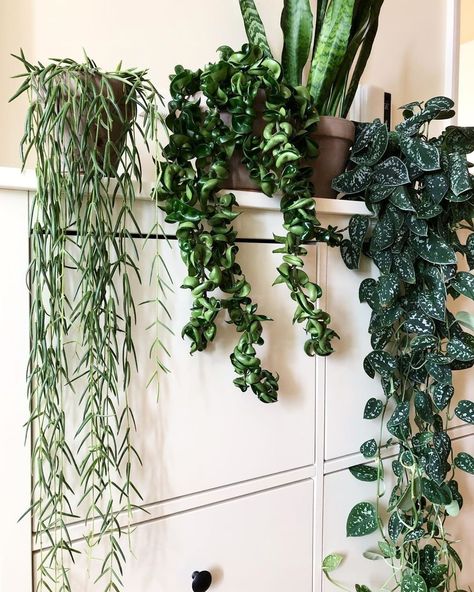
x=330, y=48
x=413, y=583
x=362, y=520
x=442, y=395
x=459, y=177
x=433, y=249
x=354, y=181
x=382, y=362
x=364, y=472
x=332, y=562
x=465, y=462
x=465, y=411
x=369, y=449
x=461, y=349
x=373, y=408
x=254, y=26
x=463, y=283
x=391, y=172
x=297, y=27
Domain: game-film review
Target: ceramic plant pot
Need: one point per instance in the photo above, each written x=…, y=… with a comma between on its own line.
x=334, y=136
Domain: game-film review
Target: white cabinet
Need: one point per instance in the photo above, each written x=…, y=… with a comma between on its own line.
x=258, y=542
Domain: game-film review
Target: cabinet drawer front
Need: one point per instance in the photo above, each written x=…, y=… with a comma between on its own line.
x=202, y=432
x=256, y=543
x=342, y=491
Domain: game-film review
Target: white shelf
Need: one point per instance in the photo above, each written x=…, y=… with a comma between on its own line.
x=15, y=179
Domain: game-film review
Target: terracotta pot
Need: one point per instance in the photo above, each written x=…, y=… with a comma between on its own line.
x=98, y=136
x=334, y=136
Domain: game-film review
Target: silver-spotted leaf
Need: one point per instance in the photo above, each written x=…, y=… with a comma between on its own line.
x=375, y=149
x=400, y=198
x=424, y=155
x=418, y=322
x=373, y=408
x=434, y=249
x=413, y=583
x=466, y=319
x=440, y=372
x=465, y=462
x=354, y=181
x=382, y=362
x=400, y=414
x=461, y=348
x=439, y=103
x=423, y=407
x=364, y=472
x=403, y=267
x=369, y=448
x=436, y=187
x=362, y=520
x=350, y=254
x=442, y=395
x=388, y=289
x=465, y=411
x=358, y=227
x=459, y=177
x=391, y=172
x=332, y=562
x=463, y=283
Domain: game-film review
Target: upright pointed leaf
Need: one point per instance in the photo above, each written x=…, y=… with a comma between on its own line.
x=297, y=27
x=254, y=26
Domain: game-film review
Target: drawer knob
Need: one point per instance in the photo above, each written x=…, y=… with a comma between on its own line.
x=201, y=581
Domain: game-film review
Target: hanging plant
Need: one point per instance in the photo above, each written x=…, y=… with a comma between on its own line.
x=82, y=125
x=211, y=118
x=421, y=194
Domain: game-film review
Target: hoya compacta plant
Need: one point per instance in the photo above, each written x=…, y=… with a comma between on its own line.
x=211, y=117
x=421, y=193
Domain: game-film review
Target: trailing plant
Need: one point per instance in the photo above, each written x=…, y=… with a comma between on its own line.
x=202, y=141
x=82, y=125
x=337, y=45
x=421, y=194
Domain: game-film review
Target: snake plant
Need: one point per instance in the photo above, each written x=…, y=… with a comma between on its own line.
x=337, y=43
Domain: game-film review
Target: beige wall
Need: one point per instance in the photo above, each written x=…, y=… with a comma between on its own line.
x=466, y=84
x=467, y=20
x=408, y=58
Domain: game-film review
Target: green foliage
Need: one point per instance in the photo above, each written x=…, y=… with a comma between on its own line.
x=82, y=125
x=344, y=32
x=196, y=167
x=420, y=192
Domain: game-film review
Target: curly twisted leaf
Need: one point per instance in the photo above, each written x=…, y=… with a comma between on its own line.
x=254, y=26
x=297, y=27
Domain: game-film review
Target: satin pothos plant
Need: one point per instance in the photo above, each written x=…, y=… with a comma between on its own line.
x=336, y=45
x=421, y=194
x=212, y=116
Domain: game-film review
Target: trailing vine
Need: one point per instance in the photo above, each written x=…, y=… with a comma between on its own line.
x=82, y=125
x=421, y=194
x=194, y=172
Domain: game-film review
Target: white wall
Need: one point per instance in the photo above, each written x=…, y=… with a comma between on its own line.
x=408, y=56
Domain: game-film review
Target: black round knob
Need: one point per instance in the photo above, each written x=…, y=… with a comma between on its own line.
x=201, y=581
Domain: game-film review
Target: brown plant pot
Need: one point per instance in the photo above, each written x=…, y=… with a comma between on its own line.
x=334, y=136
x=98, y=136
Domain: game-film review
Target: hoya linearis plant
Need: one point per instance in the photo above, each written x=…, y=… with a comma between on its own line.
x=82, y=124
x=190, y=191
x=421, y=193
